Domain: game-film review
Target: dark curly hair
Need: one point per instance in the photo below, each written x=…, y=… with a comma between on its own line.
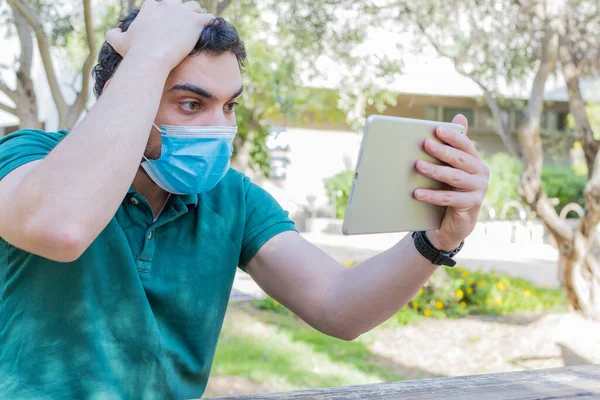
x=218, y=37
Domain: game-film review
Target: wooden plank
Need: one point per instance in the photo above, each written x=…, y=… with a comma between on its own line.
x=580, y=382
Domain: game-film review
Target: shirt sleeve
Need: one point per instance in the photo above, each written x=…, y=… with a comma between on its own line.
x=265, y=218
x=24, y=146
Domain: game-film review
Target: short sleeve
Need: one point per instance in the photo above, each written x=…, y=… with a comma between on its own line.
x=24, y=146
x=265, y=218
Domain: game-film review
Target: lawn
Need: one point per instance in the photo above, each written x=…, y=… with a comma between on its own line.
x=264, y=347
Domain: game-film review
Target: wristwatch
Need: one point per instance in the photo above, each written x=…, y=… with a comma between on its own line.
x=428, y=250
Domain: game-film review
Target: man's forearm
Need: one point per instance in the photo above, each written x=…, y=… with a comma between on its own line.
x=80, y=184
x=362, y=297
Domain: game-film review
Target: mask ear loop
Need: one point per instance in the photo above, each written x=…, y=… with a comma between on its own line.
x=158, y=129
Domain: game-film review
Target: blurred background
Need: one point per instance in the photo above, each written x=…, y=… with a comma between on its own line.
x=524, y=73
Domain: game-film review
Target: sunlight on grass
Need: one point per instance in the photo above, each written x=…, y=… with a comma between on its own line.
x=265, y=347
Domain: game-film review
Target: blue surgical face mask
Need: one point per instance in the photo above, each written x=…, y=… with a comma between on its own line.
x=193, y=158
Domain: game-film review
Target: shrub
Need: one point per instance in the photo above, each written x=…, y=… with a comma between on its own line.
x=341, y=182
x=488, y=293
x=559, y=181
x=463, y=293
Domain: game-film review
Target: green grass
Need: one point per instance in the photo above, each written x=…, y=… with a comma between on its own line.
x=266, y=344
x=282, y=349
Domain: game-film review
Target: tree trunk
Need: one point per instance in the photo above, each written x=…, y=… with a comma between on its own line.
x=24, y=95
x=582, y=277
x=582, y=264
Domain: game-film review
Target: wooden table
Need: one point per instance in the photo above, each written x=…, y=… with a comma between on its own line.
x=581, y=382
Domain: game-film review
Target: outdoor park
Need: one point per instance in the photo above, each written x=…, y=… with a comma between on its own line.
x=525, y=294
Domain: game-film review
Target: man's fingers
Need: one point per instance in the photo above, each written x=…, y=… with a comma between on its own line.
x=457, y=140
x=449, y=198
x=116, y=38
x=452, y=176
x=193, y=6
x=461, y=120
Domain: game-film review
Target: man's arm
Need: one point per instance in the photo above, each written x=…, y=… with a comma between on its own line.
x=338, y=301
x=348, y=302
x=56, y=207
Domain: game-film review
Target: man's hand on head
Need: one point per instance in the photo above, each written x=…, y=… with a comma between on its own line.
x=167, y=30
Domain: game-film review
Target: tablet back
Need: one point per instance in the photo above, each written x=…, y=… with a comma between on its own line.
x=381, y=199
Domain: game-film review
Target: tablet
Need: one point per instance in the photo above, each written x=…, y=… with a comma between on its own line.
x=381, y=199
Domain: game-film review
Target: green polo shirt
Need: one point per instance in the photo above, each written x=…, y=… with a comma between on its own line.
x=138, y=315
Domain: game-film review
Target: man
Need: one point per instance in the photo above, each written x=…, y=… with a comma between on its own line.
x=120, y=240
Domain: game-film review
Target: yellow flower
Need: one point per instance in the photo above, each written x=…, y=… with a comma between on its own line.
x=347, y=263
x=275, y=303
x=465, y=273
x=463, y=304
x=527, y=293
x=421, y=291
x=439, y=305
x=469, y=290
x=480, y=283
x=501, y=285
x=460, y=294
x=415, y=304
x=458, y=269
x=471, y=281
x=499, y=302
x=427, y=312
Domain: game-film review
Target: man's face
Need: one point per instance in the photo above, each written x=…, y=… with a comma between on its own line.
x=201, y=91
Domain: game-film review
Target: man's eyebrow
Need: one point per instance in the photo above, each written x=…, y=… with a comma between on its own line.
x=238, y=93
x=188, y=87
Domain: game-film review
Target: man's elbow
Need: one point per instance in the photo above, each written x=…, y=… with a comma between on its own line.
x=61, y=243
x=348, y=336
x=344, y=333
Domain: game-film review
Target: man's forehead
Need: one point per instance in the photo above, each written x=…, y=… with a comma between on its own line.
x=219, y=75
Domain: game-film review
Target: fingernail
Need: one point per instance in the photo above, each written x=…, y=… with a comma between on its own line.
x=424, y=166
x=419, y=193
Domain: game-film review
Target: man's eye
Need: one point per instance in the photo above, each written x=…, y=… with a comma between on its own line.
x=190, y=105
x=230, y=107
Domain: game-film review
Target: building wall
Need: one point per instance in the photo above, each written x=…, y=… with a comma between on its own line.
x=315, y=154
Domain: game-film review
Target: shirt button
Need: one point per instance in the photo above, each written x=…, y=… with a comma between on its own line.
x=135, y=201
x=150, y=235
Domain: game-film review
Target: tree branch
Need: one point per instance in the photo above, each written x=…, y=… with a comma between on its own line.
x=12, y=94
x=530, y=182
x=8, y=109
x=44, y=48
x=26, y=41
x=82, y=97
x=583, y=128
x=502, y=128
x=223, y=4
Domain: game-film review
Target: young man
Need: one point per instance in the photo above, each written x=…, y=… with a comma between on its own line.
x=120, y=240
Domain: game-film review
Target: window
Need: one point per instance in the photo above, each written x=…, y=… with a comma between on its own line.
x=485, y=119
x=519, y=117
x=431, y=113
x=450, y=112
x=561, y=121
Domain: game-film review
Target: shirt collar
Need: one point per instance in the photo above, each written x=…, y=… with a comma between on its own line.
x=188, y=199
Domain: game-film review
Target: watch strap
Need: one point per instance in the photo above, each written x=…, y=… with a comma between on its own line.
x=431, y=253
